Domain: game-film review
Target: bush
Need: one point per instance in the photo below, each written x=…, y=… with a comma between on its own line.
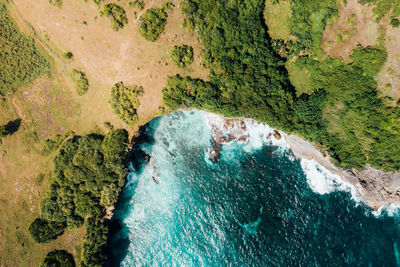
x=3, y=131
x=56, y=3
x=395, y=22
x=21, y=61
x=80, y=81
x=124, y=102
x=116, y=14
x=43, y=231
x=52, y=144
x=68, y=55
x=58, y=258
x=152, y=24
x=182, y=56
x=139, y=4
x=98, y=2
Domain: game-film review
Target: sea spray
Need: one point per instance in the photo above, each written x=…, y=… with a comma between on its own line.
x=197, y=212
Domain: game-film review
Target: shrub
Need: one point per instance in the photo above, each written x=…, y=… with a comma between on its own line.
x=152, y=23
x=182, y=56
x=3, y=131
x=116, y=14
x=58, y=258
x=139, y=4
x=395, y=22
x=43, y=231
x=80, y=82
x=21, y=61
x=56, y=3
x=52, y=144
x=124, y=102
x=98, y=2
x=68, y=55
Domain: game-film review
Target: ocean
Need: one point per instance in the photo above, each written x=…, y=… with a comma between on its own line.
x=258, y=205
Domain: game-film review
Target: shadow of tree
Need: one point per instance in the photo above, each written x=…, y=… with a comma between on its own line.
x=13, y=126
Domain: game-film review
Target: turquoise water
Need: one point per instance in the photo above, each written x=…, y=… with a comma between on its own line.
x=258, y=206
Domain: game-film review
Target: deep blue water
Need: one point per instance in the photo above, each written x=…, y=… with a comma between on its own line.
x=258, y=206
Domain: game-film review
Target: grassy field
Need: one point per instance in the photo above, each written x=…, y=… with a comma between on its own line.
x=50, y=105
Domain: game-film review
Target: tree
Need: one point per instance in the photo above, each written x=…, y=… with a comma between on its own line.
x=182, y=55
x=58, y=258
x=116, y=14
x=124, y=102
x=43, y=231
x=152, y=23
x=80, y=81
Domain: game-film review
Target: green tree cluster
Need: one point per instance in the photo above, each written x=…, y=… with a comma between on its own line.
x=58, y=258
x=89, y=173
x=52, y=144
x=182, y=55
x=124, y=101
x=43, y=231
x=116, y=14
x=80, y=81
x=152, y=23
x=381, y=8
x=21, y=61
x=139, y=4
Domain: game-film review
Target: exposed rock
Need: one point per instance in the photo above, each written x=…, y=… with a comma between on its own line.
x=277, y=135
x=215, y=153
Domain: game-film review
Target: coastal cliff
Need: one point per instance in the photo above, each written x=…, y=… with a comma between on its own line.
x=376, y=188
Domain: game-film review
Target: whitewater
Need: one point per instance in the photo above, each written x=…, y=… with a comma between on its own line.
x=258, y=205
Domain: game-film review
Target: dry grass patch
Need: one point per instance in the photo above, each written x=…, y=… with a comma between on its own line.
x=354, y=25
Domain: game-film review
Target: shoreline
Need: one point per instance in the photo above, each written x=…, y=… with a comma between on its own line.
x=376, y=188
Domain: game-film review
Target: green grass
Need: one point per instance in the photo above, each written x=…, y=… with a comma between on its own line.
x=21, y=61
x=277, y=17
x=300, y=78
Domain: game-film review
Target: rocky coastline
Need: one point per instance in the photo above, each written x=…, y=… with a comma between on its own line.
x=377, y=188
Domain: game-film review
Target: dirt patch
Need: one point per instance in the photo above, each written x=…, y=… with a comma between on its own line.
x=354, y=25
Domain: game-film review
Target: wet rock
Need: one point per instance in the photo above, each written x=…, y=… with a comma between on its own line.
x=277, y=135
x=215, y=153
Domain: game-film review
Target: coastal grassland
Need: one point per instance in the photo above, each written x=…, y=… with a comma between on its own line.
x=21, y=60
x=344, y=113
x=277, y=16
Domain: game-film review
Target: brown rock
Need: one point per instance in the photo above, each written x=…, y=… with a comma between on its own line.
x=277, y=135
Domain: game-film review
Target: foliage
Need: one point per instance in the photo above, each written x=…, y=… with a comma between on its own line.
x=308, y=23
x=56, y=3
x=80, y=81
x=43, y=231
x=68, y=55
x=58, y=258
x=124, y=102
x=21, y=61
x=182, y=55
x=395, y=22
x=116, y=14
x=84, y=169
x=152, y=23
x=381, y=8
x=370, y=59
x=248, y=77
x=52, y=144
x=3, y=131
x=98, y=2
x=139, y=4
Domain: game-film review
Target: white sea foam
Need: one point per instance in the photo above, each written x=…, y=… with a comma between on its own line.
x=322, y=181
x=389, y=210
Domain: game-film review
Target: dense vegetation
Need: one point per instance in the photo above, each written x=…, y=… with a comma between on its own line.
x=116, y=14
x=124, y=101
x=21, y=61
x=152, y=23
x=54, y=143
x=344, y=113
x=80, y=82
x=182, y=55
x=58, y=258
x=43, y=231
x=89, y=172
